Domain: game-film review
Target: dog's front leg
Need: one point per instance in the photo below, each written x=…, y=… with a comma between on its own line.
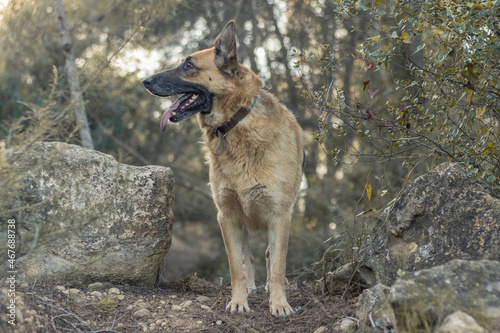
x=276, y=264
x=232, y=233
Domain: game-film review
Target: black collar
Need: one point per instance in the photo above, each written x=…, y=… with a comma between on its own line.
x=223, y=129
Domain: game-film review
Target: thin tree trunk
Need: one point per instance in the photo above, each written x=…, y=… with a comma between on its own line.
x=74, y=85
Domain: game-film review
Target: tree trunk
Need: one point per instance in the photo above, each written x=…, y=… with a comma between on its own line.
x=74, y=85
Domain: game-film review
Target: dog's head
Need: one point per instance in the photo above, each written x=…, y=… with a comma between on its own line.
x=199, y=78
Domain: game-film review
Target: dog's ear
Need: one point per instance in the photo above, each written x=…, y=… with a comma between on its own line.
x=225, y=49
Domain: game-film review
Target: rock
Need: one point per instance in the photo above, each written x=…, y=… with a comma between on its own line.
x=84, y=217
x=347, y=324
x=141, y=313
x=205, y=307
x=176, y=307
x=460, y=322
x=114, y=291
x=96, y=293
x=321, y=329
x=60, y=288
x=186, y=304
x=95, y=286
x=73, y=292
x=374, y=301
x=337, y=281
x=421, y=298
x=199, y=285
x=441, y=216
x=202, y=299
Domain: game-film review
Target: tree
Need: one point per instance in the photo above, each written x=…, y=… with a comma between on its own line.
x=71, y=72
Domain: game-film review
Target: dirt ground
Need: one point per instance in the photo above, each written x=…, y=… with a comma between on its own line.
x=185, y=306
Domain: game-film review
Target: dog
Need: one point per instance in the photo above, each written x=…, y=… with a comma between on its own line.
x=255, y=154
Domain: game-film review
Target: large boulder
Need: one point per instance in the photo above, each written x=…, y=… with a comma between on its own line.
x=424, y=298
x=80, y=216
x=441, y=216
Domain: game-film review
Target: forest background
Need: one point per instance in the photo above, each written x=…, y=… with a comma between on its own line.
x=384, y=90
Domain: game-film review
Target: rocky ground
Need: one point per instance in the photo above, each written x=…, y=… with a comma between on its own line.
x=188, y=306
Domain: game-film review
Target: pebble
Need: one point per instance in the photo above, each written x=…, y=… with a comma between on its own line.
x=73, y=292
x=186, y=304
x=60, y=288
x=114, y=291
x=219, y=322
x=120, y=297
x=202, y=299
x=96, y=293
x=176, y=308
x=95, y=286
x=205, y=307
x=141, y=313
x=347, y=324
x=321, y=329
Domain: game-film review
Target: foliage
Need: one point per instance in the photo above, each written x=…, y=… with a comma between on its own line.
x=428, y=90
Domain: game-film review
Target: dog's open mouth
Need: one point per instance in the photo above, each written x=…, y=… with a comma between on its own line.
x=184, y=107
x=195, y=97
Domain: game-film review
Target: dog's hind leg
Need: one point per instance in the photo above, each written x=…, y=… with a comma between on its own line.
x=276, y=262
x=248, y=263
x=232, y=233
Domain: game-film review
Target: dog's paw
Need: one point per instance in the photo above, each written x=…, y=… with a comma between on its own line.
x=281, y=310
x=241, y=307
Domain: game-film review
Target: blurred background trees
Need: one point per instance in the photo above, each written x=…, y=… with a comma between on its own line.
x=384, y=90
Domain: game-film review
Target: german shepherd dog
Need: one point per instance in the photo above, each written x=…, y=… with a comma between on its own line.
x=255, y=155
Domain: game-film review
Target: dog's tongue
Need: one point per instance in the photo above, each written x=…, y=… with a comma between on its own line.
x=167, y=114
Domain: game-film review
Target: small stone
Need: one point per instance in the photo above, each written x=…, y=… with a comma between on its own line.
x=96, y=293
x=205, y=307
x=347, y=324
x=158, y=322
x=60, y=288
x=176, y=308
x=73, y=292
x=120, y=297
x=114, y=291
x=219, y=322
x=141, y=313
x=202, y=299
x=321, y=329
x=199, y=322
x=186, y=304
x=95, y=286
x=460, y=322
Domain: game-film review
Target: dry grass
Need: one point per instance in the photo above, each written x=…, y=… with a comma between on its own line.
x=83, y=313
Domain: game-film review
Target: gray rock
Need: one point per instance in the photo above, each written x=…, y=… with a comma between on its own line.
x=141, y=313
x=375, y=301
x=95, y=286
x=422, y=298
x=460, y=322
x=440, y=217
x=81, y=216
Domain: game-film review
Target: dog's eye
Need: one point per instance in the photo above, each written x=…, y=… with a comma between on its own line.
x=188, y=65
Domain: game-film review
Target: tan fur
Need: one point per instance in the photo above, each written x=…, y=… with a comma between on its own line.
x=255, y=182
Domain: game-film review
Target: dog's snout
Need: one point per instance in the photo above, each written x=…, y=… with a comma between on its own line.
x=147, y=81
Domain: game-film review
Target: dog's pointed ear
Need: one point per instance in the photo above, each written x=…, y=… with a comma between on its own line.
x=225, y=49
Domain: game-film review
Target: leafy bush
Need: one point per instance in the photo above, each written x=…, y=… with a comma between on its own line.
x=428, y=89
